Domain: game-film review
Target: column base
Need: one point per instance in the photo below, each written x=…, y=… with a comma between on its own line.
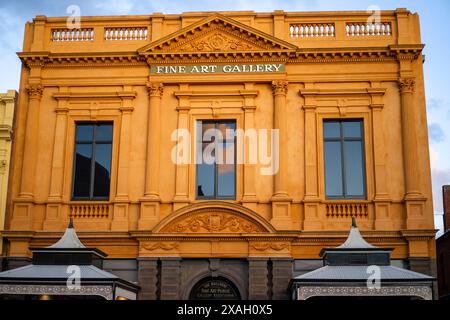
x=281, y=215
x=180, y=202
x=149, y=215
x=120, y=218
x=312, y=221
x=53, y=217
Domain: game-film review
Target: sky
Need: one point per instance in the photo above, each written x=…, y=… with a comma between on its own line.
x=435, y=34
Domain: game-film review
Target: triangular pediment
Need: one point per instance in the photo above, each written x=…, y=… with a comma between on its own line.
x=217, y=34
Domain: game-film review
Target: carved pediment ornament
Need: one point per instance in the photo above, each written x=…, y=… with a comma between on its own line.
x=214, y=223
x=218, y=41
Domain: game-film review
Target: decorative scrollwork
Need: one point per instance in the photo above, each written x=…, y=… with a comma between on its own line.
x=264, y=246
x=161, y=245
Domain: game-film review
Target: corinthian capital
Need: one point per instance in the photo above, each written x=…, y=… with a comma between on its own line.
x=407, y=85
x=34, y=91
x=155, y=89
x=280, y=87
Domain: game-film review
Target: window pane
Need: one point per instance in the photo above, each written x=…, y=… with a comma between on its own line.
x=226, y=184
x=333, y=169
x=227, y=130
x=104, y=132
x=83, y=161
x=352, y=129
x=331, y=129
x=85, y=132
x=102, y=170
x=205, y=180
x=354, y=168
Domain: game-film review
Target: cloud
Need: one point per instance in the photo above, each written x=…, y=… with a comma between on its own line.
x=440, y=178
x=435, y=133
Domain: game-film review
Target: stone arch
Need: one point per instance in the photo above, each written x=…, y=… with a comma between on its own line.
x=214, y=217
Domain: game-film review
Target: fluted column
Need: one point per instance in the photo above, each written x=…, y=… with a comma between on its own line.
x=281, y=203
x=31, y=142
x=412, y=184
x=155, y=93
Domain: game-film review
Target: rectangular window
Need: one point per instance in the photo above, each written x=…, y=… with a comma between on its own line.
x=344, y=159
x=92, y=161
x=216, y=160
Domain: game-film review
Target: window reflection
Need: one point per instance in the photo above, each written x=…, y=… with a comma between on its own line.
x=93, y=149
x=216, y=160
x=344, y=159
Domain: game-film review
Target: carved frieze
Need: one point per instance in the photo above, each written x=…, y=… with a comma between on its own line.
x=166, y=246
x=265, y=246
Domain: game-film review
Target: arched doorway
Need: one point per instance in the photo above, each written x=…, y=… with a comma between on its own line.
x=215, y=288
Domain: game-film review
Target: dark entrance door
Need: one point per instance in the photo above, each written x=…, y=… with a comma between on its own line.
x=215, y=289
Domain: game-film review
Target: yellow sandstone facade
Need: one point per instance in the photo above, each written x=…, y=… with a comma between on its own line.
x=291, y=71
x=7, y=107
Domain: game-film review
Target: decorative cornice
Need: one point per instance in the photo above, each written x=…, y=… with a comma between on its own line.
x=155, y=89
x=292, y=56
x=407, y=85
x=280, y=87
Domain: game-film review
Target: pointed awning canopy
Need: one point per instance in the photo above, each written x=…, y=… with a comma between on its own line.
x=351, y=267
x=57, y=265
x=69, y=240
x=355, y=239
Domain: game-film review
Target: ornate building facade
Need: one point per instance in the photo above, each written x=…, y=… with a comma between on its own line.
x=101, y=103
x=8, y=102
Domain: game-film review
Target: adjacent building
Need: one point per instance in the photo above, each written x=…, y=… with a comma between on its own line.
x=317, y=117
x=7, y=108
x=443, y=250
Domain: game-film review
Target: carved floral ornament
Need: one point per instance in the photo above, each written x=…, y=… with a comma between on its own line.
x=214, y=223
x=407, y=85
x=155, y=89
x=280, y=87
x=34, y=91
